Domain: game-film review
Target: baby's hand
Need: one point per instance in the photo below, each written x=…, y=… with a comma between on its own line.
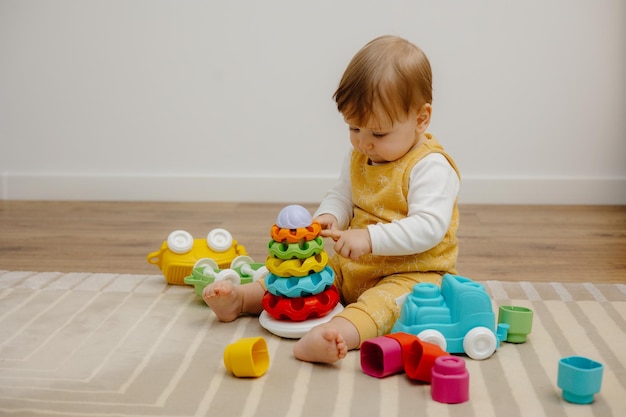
x=352, y=243
x=327, y=221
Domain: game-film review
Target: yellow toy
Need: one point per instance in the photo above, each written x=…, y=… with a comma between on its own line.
x=180, y=252
x=248, y=357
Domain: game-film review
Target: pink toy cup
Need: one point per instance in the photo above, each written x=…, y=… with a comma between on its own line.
x=450, y=380
x=381, y=356
x=420, y=359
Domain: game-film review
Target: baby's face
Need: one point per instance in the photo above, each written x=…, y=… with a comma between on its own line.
x=387, y=142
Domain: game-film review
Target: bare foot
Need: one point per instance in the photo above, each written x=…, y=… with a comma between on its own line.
x=225, y=300
x=323, y=344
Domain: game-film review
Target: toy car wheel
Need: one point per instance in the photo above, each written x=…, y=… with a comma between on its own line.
x=241, y=260
x=259, y=274
x=180, y=241
x=433, y=336
x=479, y=343
x=220, y=240
x=206, y=262
x=228, y=275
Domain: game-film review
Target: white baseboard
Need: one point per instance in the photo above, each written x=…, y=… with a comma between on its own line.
x=553, y=191
x=164, y=188
x=474, y=190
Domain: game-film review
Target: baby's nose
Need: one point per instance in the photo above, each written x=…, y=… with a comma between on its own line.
x=367, y=144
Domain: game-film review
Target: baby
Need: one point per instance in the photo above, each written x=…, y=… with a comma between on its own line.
x=392, y=213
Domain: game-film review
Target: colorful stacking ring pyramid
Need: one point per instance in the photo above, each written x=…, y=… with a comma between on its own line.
x=299, y=283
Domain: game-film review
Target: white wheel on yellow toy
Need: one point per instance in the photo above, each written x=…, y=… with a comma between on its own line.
x=180, y=241
x=479, y=343
x=220, y=240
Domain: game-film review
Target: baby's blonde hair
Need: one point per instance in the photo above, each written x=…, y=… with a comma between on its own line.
x=389, y=76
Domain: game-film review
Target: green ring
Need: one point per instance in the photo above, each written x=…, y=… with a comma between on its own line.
x=301, y=250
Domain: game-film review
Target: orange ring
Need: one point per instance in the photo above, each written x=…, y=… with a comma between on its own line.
x=296, y=235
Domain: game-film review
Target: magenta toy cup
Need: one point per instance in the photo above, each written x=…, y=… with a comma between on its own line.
x=580, y=379
x=520, y=321
x=450, y=380
x=381, y=356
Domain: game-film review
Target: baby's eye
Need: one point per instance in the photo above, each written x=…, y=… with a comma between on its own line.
x=355, y=129
x=379, y=135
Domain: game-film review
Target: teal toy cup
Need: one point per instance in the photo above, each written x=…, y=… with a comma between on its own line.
x=520, y=321
x=580, y=379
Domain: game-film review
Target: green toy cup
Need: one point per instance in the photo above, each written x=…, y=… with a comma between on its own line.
x=520, y=321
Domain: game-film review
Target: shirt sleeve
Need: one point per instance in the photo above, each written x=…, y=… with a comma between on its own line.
x=338, y=200
x=433, y=189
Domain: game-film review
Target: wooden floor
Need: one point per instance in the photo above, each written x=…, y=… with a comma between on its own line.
x=511, y=243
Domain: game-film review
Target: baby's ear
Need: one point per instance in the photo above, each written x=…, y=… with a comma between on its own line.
x=423, y=117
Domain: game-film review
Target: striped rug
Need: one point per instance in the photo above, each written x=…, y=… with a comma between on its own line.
x=79, y=344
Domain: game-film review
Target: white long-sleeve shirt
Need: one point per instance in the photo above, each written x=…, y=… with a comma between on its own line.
x=433, y=189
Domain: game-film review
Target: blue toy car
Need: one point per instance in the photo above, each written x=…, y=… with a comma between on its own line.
x=458, y=317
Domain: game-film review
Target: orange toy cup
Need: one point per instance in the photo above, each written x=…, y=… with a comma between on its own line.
x=420, y=360
x=405, y=340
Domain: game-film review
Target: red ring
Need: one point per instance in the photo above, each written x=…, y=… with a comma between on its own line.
x=301, y=308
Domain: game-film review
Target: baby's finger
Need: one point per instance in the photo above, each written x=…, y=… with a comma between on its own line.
x=334, y=234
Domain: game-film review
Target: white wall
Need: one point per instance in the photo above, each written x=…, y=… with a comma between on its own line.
x=231, y=100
